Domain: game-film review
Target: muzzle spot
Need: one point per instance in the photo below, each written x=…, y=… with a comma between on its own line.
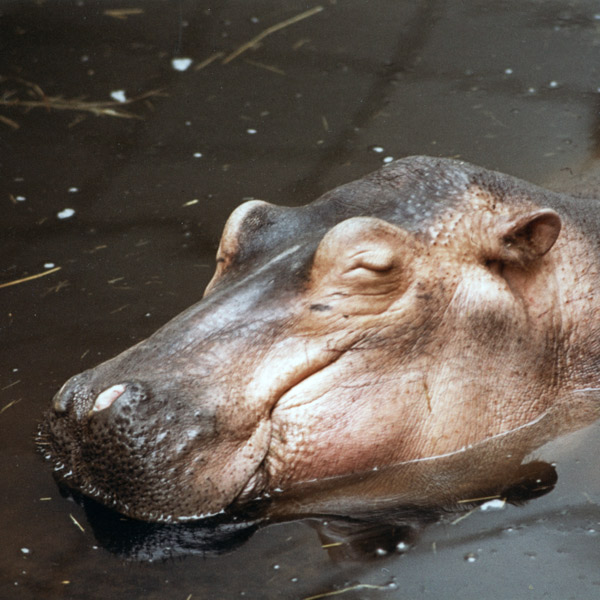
x=106, y=398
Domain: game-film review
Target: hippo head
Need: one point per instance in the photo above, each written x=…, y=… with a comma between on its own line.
x=408, y=314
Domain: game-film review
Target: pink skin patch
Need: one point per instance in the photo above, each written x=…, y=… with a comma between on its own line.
x=108, y=396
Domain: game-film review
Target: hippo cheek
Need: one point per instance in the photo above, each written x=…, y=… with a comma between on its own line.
x=154, y=459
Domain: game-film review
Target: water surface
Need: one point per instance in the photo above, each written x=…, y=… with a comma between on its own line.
x=510, y=85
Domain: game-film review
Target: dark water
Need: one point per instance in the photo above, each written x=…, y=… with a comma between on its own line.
x=510, y=85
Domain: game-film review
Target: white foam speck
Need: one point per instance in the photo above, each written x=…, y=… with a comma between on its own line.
x=73, y=190
x=181, y=64
x=119, y=95
x=197, y=154
x=377, y=149
x=20, y=198
x=388, y=159
x=49, y=265
x=251, y=131
x=66, y=213
x=496, y=504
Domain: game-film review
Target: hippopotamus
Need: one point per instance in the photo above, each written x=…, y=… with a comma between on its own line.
x=411, y=314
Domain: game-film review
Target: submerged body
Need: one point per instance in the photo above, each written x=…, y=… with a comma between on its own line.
x=413, y=313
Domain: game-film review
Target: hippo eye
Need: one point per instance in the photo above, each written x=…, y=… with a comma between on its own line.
x=379, y=260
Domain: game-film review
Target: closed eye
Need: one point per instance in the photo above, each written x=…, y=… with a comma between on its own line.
x=379, y=261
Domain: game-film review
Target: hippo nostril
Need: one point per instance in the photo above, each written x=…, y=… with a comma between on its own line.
x=106, y=398
x=63, y=398
x=72, y=393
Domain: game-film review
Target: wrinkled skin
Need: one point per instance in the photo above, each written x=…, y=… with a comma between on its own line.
x=420, y=310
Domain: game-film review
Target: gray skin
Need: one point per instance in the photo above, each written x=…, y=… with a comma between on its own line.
x=419, y=311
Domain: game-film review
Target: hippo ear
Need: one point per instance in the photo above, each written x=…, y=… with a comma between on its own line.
x=250, y=214
x=529, y=236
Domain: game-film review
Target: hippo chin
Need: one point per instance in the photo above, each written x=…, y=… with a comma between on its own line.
x=410, y=314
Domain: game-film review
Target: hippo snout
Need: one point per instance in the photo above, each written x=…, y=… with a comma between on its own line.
x=136, y=444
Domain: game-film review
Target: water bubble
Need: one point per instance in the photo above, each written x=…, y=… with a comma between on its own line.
x=73, y=190
x=20, y=198
x=553, y=84
x=197, y=154
x=402, y=547
x=251, y=131
x=388, y=159
x=471, y=557
x=276, y=567
x=49, y=265
x=378, y=149
x=25, y=551
x=380, y=552
x=508, y=71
